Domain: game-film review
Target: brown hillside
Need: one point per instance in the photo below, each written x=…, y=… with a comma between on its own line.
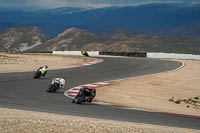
x=71, y=39
x=20, y=39
x=32, y=40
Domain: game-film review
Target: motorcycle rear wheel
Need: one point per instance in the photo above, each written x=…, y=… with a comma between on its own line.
x=52, y=88
x=37, y=74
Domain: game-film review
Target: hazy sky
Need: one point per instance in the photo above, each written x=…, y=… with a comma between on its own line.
x=42, y=4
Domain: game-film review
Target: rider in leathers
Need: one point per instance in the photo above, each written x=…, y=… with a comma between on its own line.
x=43, y=70
x=90, y=93
x=60, y=82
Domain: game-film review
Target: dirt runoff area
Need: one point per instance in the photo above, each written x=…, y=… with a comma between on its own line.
x=173, y=92
x=31, y=62
x=18, y=121
x=142, y=91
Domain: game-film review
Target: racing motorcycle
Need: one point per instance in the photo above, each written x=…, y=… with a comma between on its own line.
x=85, y=53
x=56, y=83
x=37, y=74
x=53, y=88
x=85, y=95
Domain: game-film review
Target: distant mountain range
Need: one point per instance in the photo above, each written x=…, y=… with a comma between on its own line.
x=152, y=19
x=30, y=39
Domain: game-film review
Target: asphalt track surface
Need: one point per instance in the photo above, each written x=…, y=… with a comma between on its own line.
x=20, y=91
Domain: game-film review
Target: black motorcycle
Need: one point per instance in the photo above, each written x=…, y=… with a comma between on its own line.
x=52, y=88
x=37, y=74
x=83, y=96
x=84, y=53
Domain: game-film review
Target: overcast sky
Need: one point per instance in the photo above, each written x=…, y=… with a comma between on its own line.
x=44, y=4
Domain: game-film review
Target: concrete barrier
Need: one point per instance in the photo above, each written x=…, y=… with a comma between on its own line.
x=96, y=53
x=132, y=54
x=91, y=53
x=173, y=56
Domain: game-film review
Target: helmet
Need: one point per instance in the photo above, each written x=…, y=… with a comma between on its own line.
x=46, y=67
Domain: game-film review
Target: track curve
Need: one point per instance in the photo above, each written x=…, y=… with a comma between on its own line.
x=21, y=91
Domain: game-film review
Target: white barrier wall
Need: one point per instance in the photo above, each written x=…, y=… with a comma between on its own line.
x=173, y=56
x=91, y=53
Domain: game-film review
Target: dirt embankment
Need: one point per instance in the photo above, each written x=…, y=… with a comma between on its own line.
x=31, y=62
x=17, y=121
x=154, y=92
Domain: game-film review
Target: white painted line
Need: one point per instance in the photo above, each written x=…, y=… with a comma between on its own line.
x=183, y=64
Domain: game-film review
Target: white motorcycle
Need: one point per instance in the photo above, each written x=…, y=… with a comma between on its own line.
x=56, y=83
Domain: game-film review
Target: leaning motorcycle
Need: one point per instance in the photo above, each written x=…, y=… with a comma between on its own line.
x=82, y=97
x=52, y=88
x=85, y=53
x=37, y=74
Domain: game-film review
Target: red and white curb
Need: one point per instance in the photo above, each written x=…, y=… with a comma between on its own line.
x=92, y=62
x=71, y=93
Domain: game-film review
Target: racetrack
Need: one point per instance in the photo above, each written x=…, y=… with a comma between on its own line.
x=21, y=91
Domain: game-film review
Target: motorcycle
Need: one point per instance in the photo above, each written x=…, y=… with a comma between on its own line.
x=56, y=83
x=52, y=88
x=85, y=54
x=83, y=97
x=37, y=74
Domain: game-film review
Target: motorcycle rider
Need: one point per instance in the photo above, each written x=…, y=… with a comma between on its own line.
x=90, y=93
x=43, y=70
x=60, y=82
x=84, y=52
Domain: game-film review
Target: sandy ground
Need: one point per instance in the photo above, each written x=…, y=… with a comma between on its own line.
x=138, y=93
x=153, y=92
x=31, y=62
x=16, y=121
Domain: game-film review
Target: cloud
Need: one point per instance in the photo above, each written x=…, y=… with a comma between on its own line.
x=103, y=3
x=38, y=4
